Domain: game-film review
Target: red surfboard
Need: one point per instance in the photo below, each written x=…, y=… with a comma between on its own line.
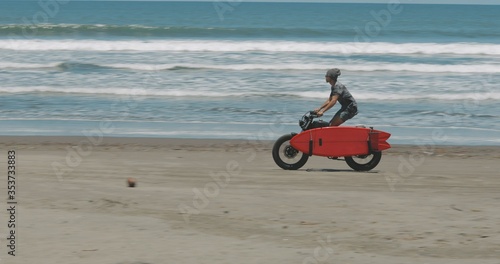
x=340, y=141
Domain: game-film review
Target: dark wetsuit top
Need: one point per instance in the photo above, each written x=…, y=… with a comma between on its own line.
x=345, y=97
x=349, y=106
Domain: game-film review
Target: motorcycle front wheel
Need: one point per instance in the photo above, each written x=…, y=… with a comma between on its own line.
x=286, y=156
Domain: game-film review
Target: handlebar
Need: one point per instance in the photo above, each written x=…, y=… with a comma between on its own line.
x=307, y=119
x=313, y=114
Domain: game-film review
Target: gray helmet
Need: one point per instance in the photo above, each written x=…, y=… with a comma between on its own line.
x=333, y=73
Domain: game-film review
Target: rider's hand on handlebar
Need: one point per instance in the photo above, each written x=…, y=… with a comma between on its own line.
x=318, y=112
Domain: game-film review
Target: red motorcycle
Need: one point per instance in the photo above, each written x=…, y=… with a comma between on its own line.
x=361, y=147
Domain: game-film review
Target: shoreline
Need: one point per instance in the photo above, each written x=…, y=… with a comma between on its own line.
x=61, y=142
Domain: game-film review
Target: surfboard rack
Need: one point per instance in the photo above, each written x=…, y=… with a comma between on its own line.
x=311, y=144
x=373, y=140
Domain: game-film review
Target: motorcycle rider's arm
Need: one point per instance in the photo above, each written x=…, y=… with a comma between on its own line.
x=327, y=105
x=323, y=105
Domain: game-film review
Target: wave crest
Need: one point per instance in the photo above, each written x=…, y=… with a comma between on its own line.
x=341, y=48
x=131, y=92
x=365, y=67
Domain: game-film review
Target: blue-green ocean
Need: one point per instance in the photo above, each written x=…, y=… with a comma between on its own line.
x=245, y=70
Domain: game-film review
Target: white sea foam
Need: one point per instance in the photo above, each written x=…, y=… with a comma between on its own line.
x=22, y=66
x=404, y=97
x=120, y=91
x=365, y=67
x=440, y=96
x=131, y=92
x=346, y=48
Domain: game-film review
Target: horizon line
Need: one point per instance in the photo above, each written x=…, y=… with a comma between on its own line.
x=405, y=2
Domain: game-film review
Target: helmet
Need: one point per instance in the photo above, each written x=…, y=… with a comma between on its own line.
x=333, y=73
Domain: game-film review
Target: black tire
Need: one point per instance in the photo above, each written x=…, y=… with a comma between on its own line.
x=287, y=157
x=364, y=162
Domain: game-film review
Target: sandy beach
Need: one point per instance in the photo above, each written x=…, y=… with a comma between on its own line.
x=217, y=201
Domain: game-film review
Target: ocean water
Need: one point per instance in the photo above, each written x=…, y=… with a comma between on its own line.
x=428, y=74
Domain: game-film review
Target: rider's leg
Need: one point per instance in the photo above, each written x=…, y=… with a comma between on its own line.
x=336, y=121
x=343, y=115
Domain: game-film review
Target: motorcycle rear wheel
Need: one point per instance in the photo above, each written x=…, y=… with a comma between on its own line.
x=364, y=162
